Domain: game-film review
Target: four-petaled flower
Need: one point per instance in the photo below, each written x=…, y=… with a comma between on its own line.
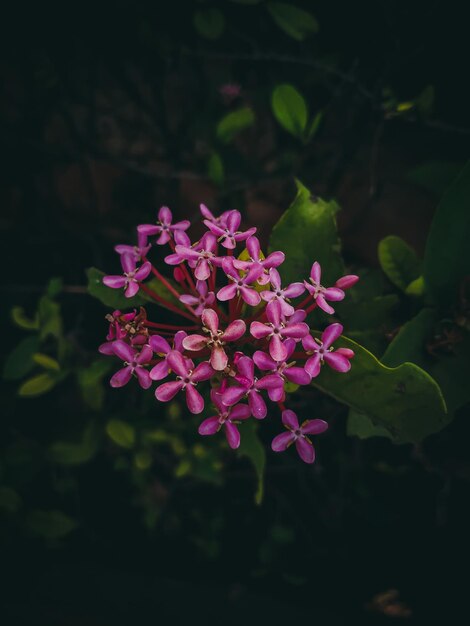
x=218, y=220
x=277, y=329
x=202, y=257
x=250, y=386
x=227, y=416
x=228, y=234
x=215, y=339
x=164, y=227
x=187, y=377
x=323, y=352
x=280, y=294
x=240, y=284
x=139, y=251
x=206, y=298
x=256, y=258
x=322, y=294
x=162, y=348
x=132, y=276
x=134, y=363
x=298, y=435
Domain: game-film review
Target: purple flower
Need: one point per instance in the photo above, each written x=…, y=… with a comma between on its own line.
x=164, y=227
x=256, y=258
x=240, y=284
x=186, y=378
x=280, y=294
x=202, y=257
x=297, y=434
x=139, y=251
x=162, y=348
x=134, y=362
x=215, y=339
x=323, y=351
x=229, y=234
x=277, y=329
x=250, y=386
x=220, y=220
x=346, y=282
x=205, y=300
x=287, y=371
x=226, y=417
x=132, y=276
x=322, y=294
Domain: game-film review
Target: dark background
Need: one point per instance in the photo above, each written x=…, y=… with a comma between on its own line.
x=107, y=113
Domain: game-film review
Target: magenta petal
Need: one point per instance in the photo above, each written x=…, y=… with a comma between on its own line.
x=274, y=259
x=219, y=359
x=232, y=395
x=194, y=400
x=305, y=450
x=253, y=247
x=257, y=405
x=164, y=215
x=314, y=427
x=294, y=290
x=167, y=391
x=121, y=377
x=315, y=272
x=209, y=426
x=277, y=349
x=290, y=346
x=346, y=282
x=296, y=331
x=267, y=296
x=232, y=434
x=264, y=361
x=227, y=293
x=164, y=238
x=337, y=361
x=246, y=368
x=259, y=330
x=269, y=382
x=159, y=344
x=123, y=350
x=143, y=377
x=273, y=312
x=313, y=365
x=333, y=294
x=106, y=348
x=309, y=343
x=280, y=442
x=210, y=319
x=132, y=289
x=146, y=230
x=143, y=271
x=297, y=375
x=128, y=262
x=330, y=334
x=195, y=342
x=177, y=363
x=203, y=269
x=115, y=282
x=349, y=354
x=160, y=371
x=202, y=372
x=323, y=304
x=276, y=394
x=250, y=296
x=240, y=412
x=234, y=331
x=182, y=225
x=145, y=355
x=290, y=420
x=216, y=397
x=233, y=221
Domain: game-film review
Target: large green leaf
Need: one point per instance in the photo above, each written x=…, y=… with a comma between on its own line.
x=399, y=261
x=306, y=233
x=295, y=22
x=447, y=255
x=435, y=176
x=290, y=109
x=251, y=447
x=404, y=400
x=37, y=385
x=234, y=122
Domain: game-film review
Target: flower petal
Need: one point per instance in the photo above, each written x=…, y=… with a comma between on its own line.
x=210, y=319
x=115, y=282
x=145, y=355
x=177, y=363
x=296, y=331
x=203, y=269
x=227, y=293
x=219, y=358
x=160, y=371
x=264, y=361
x=246, y=368
x=167, y=391
x=132, y=289
x=259, y=330
x=277, y=349
x=209, y=426
x=240, y=412
x=159, y=344
x=144, y=377
x=273, y=312
x=164, y=215
x=315, y=272
x=314, y=427
x=257, y=405
x=305, y=450
x=322, y=303
x=280, y=442
x=294, y=290
x=195, y=342
x=121, y=377
x=194, y=400
x=290, y=420
x=337, y=361
x=331, y=334
x=346, y=282
x=270, y=381
x=234, y=331
x=250, y=296
x=297, y=375
x=313, y=365
x=232, y=434
x=232, y=395
x=123, y=350
x=202, y=372
x=143, y=271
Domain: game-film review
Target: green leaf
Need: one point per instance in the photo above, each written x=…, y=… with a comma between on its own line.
x=54, y=287
x=37, y=385
x=50, y=318
x=315, y=125
x=435, y=176
x=233, y=123
x=404, y=400
x=45, y=361
x=209, y=23
x=447, y=254
x=399, y=261
x=10, y=500
x=50, y=524
x=296, y=22
x=20, y=360
x=215, y=169
x=416, y=288
x=20, y=319
x=251, y=447
x=90, y=381
x=306, y=232
x=75, y=453
x=290, y=109
x=122, y=433
x=359, y=425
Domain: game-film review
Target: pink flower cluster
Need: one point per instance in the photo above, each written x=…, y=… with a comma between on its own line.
x=244, y=331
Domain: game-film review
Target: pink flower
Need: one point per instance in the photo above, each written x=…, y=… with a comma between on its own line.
x=205, y=300
x=220, y=220
x=131, y=278
x=287, y=371
x=322, y=294
x=273, y=260
x=187, y=377
x=215, y=339
x=161, y=347
x=282, y=295
x=164, y=227
x=134, y=362
x=229, y=234
x=226, y=417
x=298, y=435
x=201, y=257
x=277, y=329
x=250, y=386
x=323, y=351
x=240, y=284
x=139, y=251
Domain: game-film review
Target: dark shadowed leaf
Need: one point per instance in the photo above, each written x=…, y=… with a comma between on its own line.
x=122, y=433
x=295, y=22
x=209, y=22
x=75, y=452
x=290, y=109
x=399, y=261
x=435, y=176
x=50, y=524
x=20, y=361
x=233, y=123
x=252, y=448
x=37, y=385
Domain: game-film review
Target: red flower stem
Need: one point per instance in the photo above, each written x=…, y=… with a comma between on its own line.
x=164, y=303
x=304, y=302
x=281, y=405
x=171, y=289
x=299, y=355
x=183, y=268
x=212, y=279
x=311, y=307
